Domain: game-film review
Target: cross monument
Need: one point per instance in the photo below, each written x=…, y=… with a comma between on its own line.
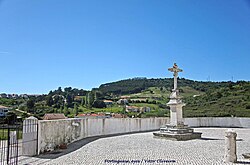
x=176, y=129
x=175, y=102
x=175, y=69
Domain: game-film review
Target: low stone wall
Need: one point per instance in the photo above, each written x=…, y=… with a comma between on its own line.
x=53, y=133
x=218, y=122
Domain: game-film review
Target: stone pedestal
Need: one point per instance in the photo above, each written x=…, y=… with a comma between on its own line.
x=230, y=148
x=175, y=104
x=179, y=133
x=176, y=129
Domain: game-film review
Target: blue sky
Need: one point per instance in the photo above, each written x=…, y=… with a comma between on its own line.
x=45, y=44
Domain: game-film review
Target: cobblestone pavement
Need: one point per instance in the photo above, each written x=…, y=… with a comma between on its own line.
x=144, y=148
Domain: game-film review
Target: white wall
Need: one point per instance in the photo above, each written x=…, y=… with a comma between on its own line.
x=53, y=133
x=218, y=122
x=56, y=132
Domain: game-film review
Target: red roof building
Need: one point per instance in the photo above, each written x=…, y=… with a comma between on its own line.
x=54, y=116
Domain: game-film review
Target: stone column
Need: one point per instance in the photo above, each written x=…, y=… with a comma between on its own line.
x=176, y=114
x=175, y=82
x=30, y=128
x=230, y=148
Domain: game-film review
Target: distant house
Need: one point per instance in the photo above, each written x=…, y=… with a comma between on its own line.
x=93, y=115
x=25, y=96
x=15, y=96
x=12, y=96
x=117, y=115
x=122, y=101
x=3, y=111
x=132, y=109
x=3, y=95
x=54, y=116
x=9, y=96
x=108, y=102
x=125, y=97
x=78, y=98
x=137, y=109
x=107, y=114
x=145, y=109
x=138, y=100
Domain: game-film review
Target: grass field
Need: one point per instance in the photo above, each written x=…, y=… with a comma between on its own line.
x=4, y=133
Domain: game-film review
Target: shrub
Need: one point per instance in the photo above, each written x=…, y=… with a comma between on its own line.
x=99, y=104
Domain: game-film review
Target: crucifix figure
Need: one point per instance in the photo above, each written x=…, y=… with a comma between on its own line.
x=175, y=69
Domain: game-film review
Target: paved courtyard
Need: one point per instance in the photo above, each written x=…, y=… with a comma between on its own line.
x=144, y=148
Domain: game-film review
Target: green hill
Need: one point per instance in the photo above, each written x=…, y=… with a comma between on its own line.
x=202, y=98
x=137, y=85
x=233, y=100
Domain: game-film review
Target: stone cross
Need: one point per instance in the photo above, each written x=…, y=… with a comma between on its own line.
x=175, y=69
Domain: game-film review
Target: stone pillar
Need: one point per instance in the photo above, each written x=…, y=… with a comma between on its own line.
x=176, y=114
x=230, y=148
x=30, y=138
x=173, y=115
x=175, y=82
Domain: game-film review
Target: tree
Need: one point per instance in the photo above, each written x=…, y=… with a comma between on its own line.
x=90, y=99
x=49, y=100
x=67, y=89
x=69, y=100
x=58, y=101
x=98, y=95
x=82, y=92
x=30, y=104
x=82, y=102
x=99, y=104
x=76, y=109
x=24, y=115
x=11, y=118
x=66, y=111
x=61, y=109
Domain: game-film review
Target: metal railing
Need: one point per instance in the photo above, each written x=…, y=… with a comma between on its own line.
x=9, y=143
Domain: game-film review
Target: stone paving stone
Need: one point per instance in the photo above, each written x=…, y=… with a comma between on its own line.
x=145, y=149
